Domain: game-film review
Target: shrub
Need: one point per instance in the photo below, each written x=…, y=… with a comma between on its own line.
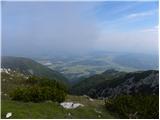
x=137, y=106
x=38, y=90
x=34, y=80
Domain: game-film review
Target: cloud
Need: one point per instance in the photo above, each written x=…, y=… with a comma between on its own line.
x=140, y=14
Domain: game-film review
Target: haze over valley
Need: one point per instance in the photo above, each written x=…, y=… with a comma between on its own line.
x=76, y=68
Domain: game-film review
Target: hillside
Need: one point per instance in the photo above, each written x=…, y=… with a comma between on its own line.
x=31, y=103
x=47, y=109
x=52, y=110
x=102, y=85
x=30, y=67
x=87, y=84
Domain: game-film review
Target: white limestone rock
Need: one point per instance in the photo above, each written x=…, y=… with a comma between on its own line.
x=71, y=105
x=8, y=115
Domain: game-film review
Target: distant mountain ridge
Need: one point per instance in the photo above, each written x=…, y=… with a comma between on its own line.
x=113, y=83
x=30, y=67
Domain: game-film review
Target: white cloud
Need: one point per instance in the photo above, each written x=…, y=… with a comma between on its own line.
x=140, y=14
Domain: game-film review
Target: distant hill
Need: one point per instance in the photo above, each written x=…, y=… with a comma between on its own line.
x=30, y=67
x=113, y=83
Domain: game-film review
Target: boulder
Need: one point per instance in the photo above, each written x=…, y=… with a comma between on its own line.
x=71, y=105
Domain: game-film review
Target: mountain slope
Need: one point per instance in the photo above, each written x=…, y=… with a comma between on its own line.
x=30, y=67
x=92, y=82
x=145, y=82
x=47, y=109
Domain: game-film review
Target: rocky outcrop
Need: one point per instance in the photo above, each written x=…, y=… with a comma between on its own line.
x=141, y=82
x=134, y=84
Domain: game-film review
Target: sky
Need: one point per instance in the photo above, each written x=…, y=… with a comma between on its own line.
x=48, y=28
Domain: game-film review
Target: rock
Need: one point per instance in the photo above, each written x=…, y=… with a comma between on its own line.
x=26, y=77
x=31, y=71
x=8, y=115
x=85, y=96
x=71, y=105
x=90, y=99
x=69, y=114
x=98, y=111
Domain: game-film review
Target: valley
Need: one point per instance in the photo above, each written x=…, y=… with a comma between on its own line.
x=28, y=85
x=76, y=68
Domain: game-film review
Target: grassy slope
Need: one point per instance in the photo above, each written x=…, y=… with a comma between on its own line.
x=54, y=110
x=46, y=109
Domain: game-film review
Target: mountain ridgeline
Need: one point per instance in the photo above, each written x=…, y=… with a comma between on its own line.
x=30, y=67
x=112, y=83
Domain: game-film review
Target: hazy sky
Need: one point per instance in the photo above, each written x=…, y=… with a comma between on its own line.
x=41, y=28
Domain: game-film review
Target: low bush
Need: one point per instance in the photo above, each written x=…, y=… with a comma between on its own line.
x=137, y=106
x=38, y=90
